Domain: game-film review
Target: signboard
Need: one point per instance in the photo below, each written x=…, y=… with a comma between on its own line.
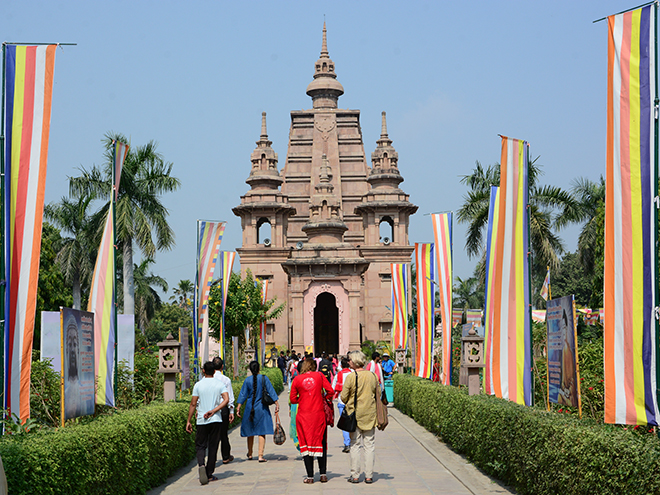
x=77, y=340
x=563, y=376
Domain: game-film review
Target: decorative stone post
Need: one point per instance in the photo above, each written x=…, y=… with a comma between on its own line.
x=400, y=356
x=248, y=356
x=169, y=364
x=472, y=359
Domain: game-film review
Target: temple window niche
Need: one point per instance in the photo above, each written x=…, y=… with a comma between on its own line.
x=263, y=230
x=386, y=230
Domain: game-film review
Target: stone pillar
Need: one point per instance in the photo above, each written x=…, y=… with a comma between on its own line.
x=472, y=359
x=169, y=352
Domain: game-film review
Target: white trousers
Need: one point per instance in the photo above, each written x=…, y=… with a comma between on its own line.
x=363, y=441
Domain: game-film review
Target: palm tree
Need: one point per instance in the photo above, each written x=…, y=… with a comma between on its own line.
x=181, y=292
x=139, y=213
x=74, y=253
x=467, y=294
x=544, y=201
x=146, y=297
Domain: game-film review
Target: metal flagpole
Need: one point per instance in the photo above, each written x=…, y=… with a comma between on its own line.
x=3, y=275
x=529, y=283
x=657, y=204
x=114, y=191
x=195, y=306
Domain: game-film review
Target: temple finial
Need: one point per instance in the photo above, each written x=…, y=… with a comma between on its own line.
x=264, y=133
x=383, y=129
x=324, y=45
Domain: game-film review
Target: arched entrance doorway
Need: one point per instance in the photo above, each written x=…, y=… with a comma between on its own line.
x=326, y=324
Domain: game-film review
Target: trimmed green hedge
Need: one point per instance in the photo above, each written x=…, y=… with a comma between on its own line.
x=530, y=449
x=127, y=452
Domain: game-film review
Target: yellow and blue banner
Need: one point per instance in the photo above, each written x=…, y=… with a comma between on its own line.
x=630, y=237
x=399, y=305
x=442, y=230
x=425, y=265
x=226, y=264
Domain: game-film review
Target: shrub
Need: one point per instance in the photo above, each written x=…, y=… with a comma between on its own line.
x=533, y=450
x=125, y=453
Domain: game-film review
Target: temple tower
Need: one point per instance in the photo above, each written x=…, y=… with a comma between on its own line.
x=327, y=257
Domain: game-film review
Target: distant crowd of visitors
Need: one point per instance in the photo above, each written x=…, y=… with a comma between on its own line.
x=314, y=383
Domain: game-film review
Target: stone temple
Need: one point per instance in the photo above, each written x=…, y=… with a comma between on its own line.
x=325, y=228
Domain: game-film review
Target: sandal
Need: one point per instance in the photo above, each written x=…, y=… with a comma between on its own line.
x=227, y=461
x=213, y=477
x=368, y=481
x=263, y=460
x=249, y=457
x=353, y=480
x=324, y=478
x=308, y=481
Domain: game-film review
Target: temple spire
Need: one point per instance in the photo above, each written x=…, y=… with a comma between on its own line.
x=264, y=132
x=324, y=44
x=325, y=90
x=383, y=127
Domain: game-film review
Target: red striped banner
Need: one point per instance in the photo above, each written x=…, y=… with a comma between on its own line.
x=424, y=262
x=442, y=229
x=399, y=305
x=28, y=93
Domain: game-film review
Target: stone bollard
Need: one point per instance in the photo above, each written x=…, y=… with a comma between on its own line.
x=169, y=352
x=472, y=359
x=400, y=355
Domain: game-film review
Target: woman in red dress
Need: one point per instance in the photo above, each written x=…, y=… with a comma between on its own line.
x=307, y=390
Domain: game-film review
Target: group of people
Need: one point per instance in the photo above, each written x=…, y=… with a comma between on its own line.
x=356, y=384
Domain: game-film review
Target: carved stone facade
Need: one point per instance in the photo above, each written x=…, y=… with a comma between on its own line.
x=325, y=230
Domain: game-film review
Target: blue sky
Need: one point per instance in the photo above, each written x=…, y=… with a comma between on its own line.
x=195, y=77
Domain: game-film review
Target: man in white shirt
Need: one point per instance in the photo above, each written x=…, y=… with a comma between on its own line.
x=227, y=412
x=209, y=396
x=374, y=365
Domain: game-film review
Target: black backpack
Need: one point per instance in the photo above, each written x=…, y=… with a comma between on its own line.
x=325, y=367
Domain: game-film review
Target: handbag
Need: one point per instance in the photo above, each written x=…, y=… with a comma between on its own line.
x=383, y=398
x=329, y=410
x=381, y=413
x=265, y=396
x=279, y=437
x=348, y=422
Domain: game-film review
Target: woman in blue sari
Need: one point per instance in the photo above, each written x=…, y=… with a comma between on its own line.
x=257, y=420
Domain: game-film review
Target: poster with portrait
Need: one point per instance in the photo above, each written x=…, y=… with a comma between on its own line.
x=77, y=338
x=563, y=376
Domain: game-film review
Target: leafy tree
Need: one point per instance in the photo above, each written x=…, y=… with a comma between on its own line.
x=546, y=203
x=53, y=291
x=467, y=295
x=146, y=296
x=74, y=253
x=570, y=278
x=244, y=308
x=140, y=213
x=168, y=319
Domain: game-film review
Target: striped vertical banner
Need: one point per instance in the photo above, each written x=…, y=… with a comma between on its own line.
x=28, y=93
x=425, y=263
x=209, y=236
x=630, y=264
x=399, y=305
x=120, y=151
x=264, y=298
x=508, y=289
x=226, y=265
x=102, y=304
x=442, y=230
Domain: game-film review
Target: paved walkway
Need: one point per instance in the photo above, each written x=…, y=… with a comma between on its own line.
x=409, y=460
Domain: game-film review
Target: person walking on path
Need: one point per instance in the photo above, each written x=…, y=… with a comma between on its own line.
x=325, y=366
x=227, y=412
x=363, y=438
x=337, y=385
x=209, y=396
x=307, y=390
x=374, y=366
x=281, y=364
x=257, y=419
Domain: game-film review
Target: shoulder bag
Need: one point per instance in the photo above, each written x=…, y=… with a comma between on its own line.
x=265, y=396
x=381, y=412
x=348, y=422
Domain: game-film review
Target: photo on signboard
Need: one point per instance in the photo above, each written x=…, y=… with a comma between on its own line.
x=562, y=352
x=77, y=333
